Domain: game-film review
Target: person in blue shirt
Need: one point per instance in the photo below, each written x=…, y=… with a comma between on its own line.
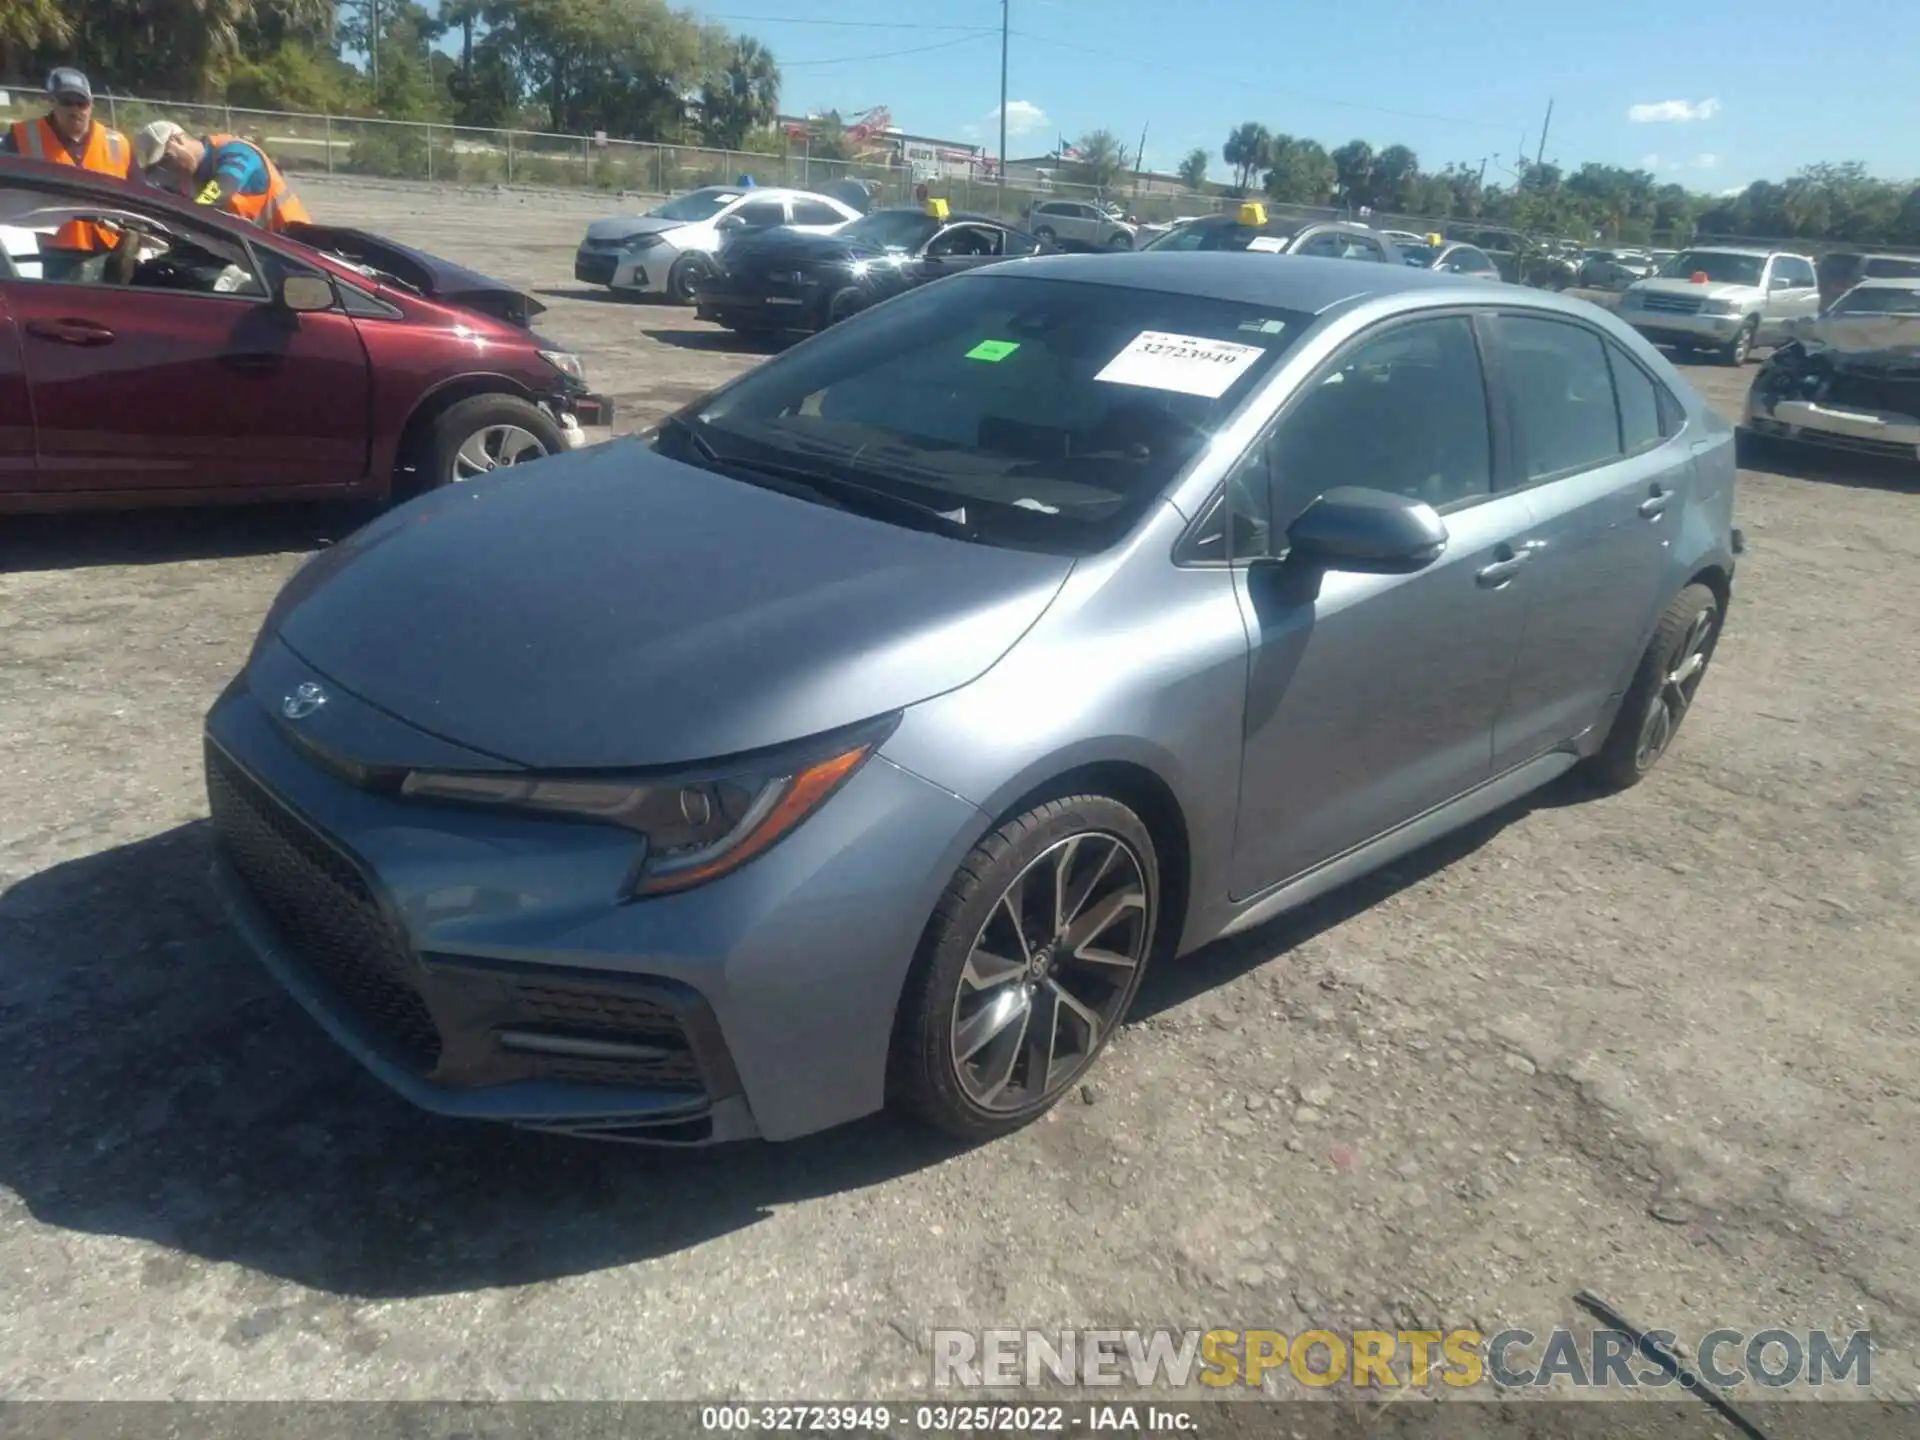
x=220, y=170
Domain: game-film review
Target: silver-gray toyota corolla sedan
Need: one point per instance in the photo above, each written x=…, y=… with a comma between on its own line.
x=860, y=737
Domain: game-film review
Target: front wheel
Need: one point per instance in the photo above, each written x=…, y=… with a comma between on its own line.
x=1029, y=964
x=842, y=304
x=684, y=278
x=1663, y=689
x=1741, y=346
x=1045, y=235
x=484, y=433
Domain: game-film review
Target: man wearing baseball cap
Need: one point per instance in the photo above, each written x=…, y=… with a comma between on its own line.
x=69, y=135
x=224, y=171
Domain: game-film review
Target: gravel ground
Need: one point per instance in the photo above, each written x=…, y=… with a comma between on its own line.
x=1661, y=1044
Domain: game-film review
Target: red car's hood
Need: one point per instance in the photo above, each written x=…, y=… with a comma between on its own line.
x=424, y=274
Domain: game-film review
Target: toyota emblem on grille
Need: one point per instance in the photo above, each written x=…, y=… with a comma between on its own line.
x=306, y=698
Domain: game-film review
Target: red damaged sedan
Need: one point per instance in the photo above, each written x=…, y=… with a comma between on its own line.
x=203, y=361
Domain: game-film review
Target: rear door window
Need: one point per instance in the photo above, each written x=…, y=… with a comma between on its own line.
x=762, y=214
x=1560, y=395
x=1639, y=397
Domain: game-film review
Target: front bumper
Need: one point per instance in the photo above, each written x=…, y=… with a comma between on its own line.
x=644, y=271
x=1811, y=401
x=484, y=966
x=1669, y=329
x=587, y=410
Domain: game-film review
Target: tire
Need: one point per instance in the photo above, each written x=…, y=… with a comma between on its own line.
x=502, y=429
x=1046, y=235
x=681, y=279
x=1119, y=241
x=972, y=956
x=841, y=304
x=1663, y=689
x=1736, y=350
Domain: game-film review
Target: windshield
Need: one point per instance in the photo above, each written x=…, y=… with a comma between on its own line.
x=1885, y=266
x=1879, y=300
x=892, y=229
x=1421, y=255
x=695, y=205
x=1719, y=266
x=1218, y=237
x=1044, y=414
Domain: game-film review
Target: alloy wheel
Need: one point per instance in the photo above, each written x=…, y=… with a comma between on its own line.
x=1674, y=695
x=493, y=446
x=1051, y=972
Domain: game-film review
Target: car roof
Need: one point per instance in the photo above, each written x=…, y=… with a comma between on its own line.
x=1890, y=282
x=1759, y=252
x=1309, y=284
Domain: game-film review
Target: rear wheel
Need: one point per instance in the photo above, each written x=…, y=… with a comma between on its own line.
x=481, y=434
x=1045, y=234
x=843, y=303
x=1028, y=966
x=1663, y=689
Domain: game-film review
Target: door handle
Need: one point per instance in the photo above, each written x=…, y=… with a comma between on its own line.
x=1507, y=563
x=1655, y=504
x=70, y=332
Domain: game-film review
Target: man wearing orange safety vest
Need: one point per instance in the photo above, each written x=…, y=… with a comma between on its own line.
x=220, y=170
x=69, y=135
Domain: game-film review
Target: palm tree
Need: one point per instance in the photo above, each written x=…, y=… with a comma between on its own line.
x=1247, y=151
x=744, y=95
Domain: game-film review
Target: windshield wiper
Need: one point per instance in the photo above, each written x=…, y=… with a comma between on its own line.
x=825, y=485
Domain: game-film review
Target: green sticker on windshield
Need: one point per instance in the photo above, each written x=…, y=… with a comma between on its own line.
x=993, y=351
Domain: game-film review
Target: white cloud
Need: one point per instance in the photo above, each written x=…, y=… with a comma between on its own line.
x=1660, y=112
x=1650, y=162
x=1023, y=117
x=1706, y=160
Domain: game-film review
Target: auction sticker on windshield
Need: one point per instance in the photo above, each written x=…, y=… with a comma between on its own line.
x=1188, y=364
x=993, y=351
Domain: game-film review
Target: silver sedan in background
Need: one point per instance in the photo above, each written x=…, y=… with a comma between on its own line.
x=861, y=737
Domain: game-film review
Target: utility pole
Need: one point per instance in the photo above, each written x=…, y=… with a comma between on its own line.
x=373, y=44
x=1541, y=154
x=1483, y=169
x=1000, y=170
x=1140, y=159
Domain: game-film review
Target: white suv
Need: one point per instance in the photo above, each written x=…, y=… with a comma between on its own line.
x=664, y=251
x=1723, y=298
x=1079, y=222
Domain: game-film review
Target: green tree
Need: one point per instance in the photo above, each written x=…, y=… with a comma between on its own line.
x=1103, y=159
x=1246, y=152
x=742, y=95
x=1353, y=172
x=1392, y=177
x=1299, y=172
x=1193, y=169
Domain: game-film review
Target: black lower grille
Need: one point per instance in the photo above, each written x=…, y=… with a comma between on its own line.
x=595, y=269
x=587, y=1013
x=324, y=912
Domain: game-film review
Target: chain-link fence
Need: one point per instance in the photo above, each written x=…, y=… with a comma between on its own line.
x=462, y=155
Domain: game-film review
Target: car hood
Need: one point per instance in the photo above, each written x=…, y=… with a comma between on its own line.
x=420, y=272
x=631, y=225
x=1712, y=290
x=1890, y=339
x=614, y=609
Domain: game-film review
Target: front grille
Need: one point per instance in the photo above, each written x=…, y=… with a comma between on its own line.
x=595, y=269
x=1671, y=304
x=324, y=912
x=586, y=1013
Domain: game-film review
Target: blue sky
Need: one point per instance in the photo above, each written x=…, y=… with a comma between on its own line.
x=1709, y=93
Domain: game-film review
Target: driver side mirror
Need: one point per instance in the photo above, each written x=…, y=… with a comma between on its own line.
x=1372, y=532
x=1780, y=282
x=730, y=222
x=303, y=294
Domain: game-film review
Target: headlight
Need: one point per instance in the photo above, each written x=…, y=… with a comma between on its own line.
x=642, y=242
x=567, y=364
x=1722, y=307
x=696, y=826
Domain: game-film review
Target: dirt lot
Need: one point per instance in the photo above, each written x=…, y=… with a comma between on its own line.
x=1662, y=1045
